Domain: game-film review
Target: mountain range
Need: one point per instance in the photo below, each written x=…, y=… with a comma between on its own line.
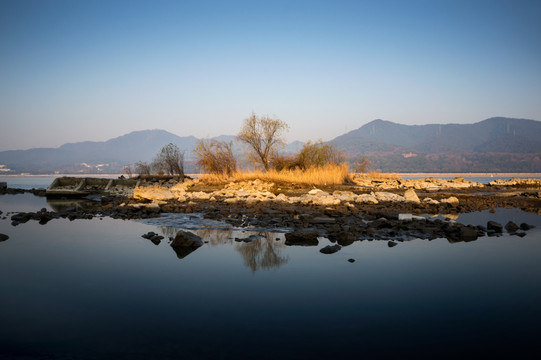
x=493, y=145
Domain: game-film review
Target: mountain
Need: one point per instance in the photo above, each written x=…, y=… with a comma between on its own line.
x=494, y=145
x=94, y=156
x=107, y=156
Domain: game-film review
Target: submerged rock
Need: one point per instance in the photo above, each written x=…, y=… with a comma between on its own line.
x=3, y=237
x=511, y=227
x=494, y=226
x=330, y=249
x=302, y=238
x=391, y=244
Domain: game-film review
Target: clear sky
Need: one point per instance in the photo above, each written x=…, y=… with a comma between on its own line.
x=93, y=70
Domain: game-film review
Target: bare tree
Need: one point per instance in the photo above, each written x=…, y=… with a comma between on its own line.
x=170, y=160
x=128, y=170
x=216, y=157
x=142, y=168
x=264, y=136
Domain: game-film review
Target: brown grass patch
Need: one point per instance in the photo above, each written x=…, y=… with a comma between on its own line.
x=331, y=174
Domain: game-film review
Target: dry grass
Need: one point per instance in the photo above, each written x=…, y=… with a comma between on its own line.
x=330, y=174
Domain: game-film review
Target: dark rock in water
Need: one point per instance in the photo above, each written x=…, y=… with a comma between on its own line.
x=494, y=226
x=519, y=233
x=468, y=233
x=187, y=239
x=343, y=238
x=525, y=226
x=391, y=244
x=248, y=239
x=330, y=249
x=152, y=236
x=511, y=227
x=302, y=238
x=3, y=237
x=351, y=260
x=185, y=243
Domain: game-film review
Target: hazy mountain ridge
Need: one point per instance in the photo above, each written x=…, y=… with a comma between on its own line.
x=492, y=145
x=497, y=134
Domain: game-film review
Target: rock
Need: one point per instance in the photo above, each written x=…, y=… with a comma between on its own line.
x=351, y=260
x=152, y=193
x=330, y=249
x=185, y=243
x=468, y=233
x=3, y=185
x=366, y=199
x=302, y=238
x=430, y=201
x=343, y=238
x=453, y=201
x=409, y=217
x=511, y=227
x=389, y=197
x=525, y=226
x=3, y=237
x=187, y=239
x=411, y=196
x=323, y=220
x=494, y=226
x=152, y=236
x=391, y=244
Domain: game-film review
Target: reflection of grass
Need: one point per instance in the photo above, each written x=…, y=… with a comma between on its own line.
x=331, y=174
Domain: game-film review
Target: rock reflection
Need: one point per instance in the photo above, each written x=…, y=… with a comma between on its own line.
x=262, y=252
x=60, y=205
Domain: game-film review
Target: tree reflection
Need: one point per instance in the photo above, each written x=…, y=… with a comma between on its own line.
x=262, y=253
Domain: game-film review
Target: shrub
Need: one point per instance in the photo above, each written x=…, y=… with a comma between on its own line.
x=317, y=154
x=170, y=160
x=216, y=157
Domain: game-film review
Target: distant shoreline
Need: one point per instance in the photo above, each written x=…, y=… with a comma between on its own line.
x=487, y=174
x=420, y=174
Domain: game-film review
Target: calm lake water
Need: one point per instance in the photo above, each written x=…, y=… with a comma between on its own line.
x=95, y=289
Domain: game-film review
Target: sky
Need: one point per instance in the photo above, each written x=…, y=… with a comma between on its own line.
x=93, y=70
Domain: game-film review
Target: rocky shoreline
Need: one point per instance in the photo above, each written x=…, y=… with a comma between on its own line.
x=368, y=209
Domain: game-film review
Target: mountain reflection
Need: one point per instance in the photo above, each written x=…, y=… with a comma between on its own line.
x=262, y=251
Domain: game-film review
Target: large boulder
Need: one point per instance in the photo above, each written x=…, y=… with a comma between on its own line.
x=388, y=197
x=366, y=199
x=453, y=201
x=411, y=196
x=185, y=243
x=152, y=193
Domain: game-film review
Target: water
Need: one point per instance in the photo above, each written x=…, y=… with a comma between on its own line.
x=94, y=289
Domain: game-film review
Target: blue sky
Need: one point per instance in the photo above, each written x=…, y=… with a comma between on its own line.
x=92, y=70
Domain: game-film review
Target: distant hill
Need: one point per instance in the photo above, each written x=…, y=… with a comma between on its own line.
x=493, y=145
x=105, y=156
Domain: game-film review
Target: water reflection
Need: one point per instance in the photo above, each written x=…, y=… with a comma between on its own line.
x=60, y=205
x=263, y=253
x=259, y=250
